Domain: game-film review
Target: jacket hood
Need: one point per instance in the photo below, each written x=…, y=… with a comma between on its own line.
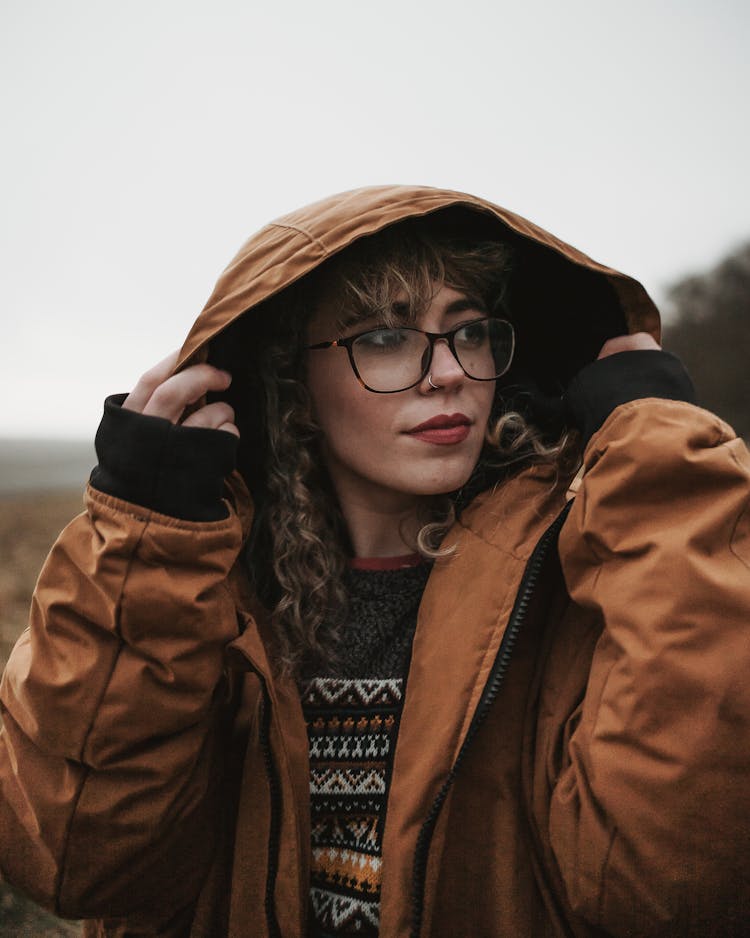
x=554, y=285
x=563, y=304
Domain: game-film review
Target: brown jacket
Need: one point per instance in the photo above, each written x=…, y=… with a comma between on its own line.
x=574, y=750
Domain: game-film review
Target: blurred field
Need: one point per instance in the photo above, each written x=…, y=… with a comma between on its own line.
x=29, y=524
x=28, y=465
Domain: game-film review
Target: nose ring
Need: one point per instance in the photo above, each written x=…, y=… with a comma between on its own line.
x=435, y=387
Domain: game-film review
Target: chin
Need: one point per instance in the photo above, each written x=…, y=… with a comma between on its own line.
x=447, y=482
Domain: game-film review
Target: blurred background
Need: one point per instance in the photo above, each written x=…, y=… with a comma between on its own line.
x=145, y=141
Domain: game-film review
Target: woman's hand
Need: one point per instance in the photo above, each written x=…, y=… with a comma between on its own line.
x=639, y=341
x=159, y=393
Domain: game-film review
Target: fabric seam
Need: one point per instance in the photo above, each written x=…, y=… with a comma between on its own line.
x=522, y=558
x=745, y=511
x=603, y=879
x=596, y=447
x=310, y=237
x=150, y=516
x=105, y=687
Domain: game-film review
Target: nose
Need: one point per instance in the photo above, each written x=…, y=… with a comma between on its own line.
x=446, y=372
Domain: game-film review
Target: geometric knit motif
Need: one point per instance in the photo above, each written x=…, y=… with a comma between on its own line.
x=352, y=724
x=351, y=728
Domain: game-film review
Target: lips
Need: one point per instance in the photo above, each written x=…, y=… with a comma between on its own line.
x=441, y=422
x=444, y=429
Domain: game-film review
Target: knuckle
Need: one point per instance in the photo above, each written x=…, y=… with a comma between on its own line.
x=202, y=371
x=151, y=377
x=213, y=416
x=166, y=396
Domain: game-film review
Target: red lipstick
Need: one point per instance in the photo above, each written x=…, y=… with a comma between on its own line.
x=445, y=429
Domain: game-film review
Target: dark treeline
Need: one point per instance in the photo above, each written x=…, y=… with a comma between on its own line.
x=711, y=334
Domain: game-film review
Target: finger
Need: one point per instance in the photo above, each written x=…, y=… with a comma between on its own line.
x=172, y=396
x=229, y=428
x=212, y=416
x=638, y=341
x=149, y=381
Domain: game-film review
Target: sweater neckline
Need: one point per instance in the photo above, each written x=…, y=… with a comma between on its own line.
x=386, y=563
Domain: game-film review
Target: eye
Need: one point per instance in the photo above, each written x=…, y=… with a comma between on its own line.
x=383, y=340
x=473, y=334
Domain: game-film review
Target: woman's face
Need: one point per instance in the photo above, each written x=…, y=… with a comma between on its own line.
x=373, y=451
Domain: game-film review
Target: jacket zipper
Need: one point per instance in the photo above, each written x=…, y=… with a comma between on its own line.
x=492, y=688
x=274, y=788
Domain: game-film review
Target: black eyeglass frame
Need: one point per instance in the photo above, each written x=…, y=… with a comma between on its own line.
x=450, y=337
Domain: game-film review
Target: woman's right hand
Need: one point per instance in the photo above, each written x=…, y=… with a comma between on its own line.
x=159, y=393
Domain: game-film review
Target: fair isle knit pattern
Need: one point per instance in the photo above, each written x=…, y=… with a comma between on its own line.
x=352, y=723
x=351, y=727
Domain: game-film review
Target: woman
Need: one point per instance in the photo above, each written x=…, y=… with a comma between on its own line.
x=392, y=702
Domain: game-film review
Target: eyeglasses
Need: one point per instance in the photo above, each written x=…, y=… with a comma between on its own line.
x=390, y=359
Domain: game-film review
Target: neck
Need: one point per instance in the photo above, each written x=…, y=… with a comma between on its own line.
x=388, y=530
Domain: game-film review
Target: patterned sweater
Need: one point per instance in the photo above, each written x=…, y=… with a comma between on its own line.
x=352, y=723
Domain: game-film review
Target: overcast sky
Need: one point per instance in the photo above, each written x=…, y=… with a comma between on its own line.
x=144, y=141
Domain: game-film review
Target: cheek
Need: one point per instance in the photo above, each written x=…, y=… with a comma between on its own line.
x=350, y=417
x=327, y=383
x=485, y=395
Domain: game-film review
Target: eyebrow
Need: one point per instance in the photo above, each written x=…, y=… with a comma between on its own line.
x=354, y=318
x=357, y=317
x=465, y=303
x=460, y=305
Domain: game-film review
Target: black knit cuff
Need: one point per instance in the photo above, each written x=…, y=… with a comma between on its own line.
x=625, y=376
x=175, y=470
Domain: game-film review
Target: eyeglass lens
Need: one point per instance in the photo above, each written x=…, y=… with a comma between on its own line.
x=396, y=359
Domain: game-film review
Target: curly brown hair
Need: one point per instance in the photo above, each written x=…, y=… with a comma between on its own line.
x=300, y=568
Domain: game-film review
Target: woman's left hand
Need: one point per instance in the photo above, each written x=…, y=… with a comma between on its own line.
x=639, y=341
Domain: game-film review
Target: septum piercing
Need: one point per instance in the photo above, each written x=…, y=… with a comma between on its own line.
x=435, y=387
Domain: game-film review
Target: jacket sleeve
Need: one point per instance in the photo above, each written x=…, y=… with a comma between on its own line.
x=650, y=817
x=111, y=705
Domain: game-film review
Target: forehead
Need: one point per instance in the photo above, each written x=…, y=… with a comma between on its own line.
x=328, y=322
